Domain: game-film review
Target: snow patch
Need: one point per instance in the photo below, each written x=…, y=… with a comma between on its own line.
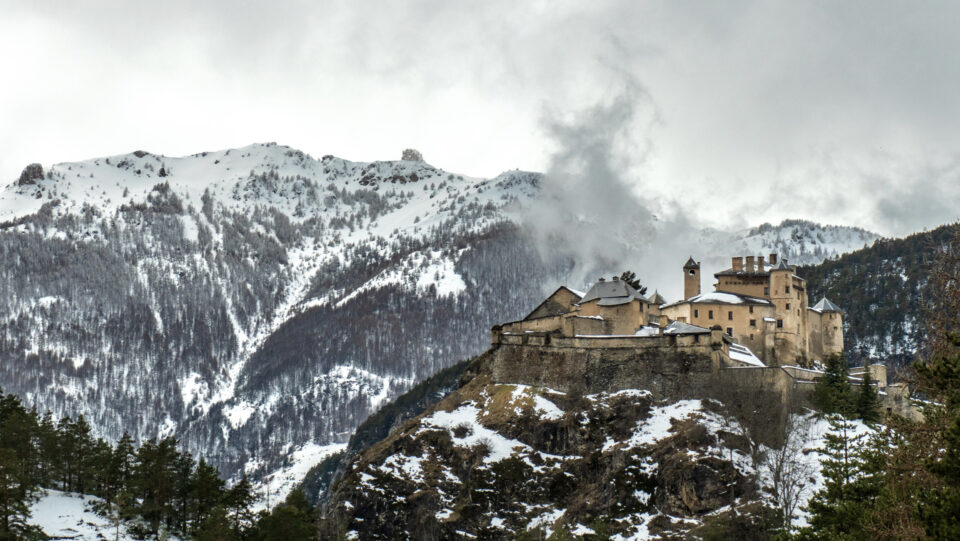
x=275, y=487
x=64, y=515
x=499, y=446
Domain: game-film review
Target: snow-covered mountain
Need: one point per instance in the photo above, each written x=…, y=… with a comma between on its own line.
x=258, y=303
x=801, y=242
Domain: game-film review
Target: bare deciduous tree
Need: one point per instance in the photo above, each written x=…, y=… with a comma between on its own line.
x=789, y=468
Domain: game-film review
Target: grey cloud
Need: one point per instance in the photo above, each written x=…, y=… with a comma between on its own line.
x=765, y=95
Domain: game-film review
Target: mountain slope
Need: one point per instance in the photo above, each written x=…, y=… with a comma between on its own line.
x=882, y=290
x=502, y=461
x=257, y=303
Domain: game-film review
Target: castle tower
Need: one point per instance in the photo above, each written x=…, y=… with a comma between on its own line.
x=691, y=278
x=831, y=327
x=790, y=332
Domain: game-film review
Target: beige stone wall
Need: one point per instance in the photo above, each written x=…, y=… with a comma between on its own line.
x=754, y=286
x=622, y=318
x=560, y=302
x=574, y=325
x=814, y=335
x=691, y=283
x=668, y=366
x=736, y=317
x=544, y=324
x=677, y=312
x=832, y=328
x=788, y=295
x=825, y=334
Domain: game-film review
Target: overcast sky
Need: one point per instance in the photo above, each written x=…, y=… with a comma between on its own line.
x=841, y=112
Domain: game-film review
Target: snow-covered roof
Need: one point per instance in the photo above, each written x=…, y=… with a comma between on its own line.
x=722, y=297
x=611, y=293
x=745, y=273
x=825, y=306
x=679, y=327
x=743, y=354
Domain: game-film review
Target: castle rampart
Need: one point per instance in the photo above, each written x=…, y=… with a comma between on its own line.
x=667, y=366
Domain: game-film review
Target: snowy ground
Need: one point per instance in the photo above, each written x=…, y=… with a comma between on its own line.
x=274, y=488
x=63, y=515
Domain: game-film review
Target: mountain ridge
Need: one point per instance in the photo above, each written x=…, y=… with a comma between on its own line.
x=255, y=302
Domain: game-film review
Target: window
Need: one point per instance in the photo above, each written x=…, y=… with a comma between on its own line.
x=729, y=331
x=753, y=323
x=751, y=337
x=786, y=289
x=730, y=315
x=710, y=314
x=696, y=313
x=766, y=291
x=751, y=308
x=788, y=306
x=779, y=323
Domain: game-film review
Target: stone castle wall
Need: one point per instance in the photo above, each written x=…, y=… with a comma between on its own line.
x=669, y=366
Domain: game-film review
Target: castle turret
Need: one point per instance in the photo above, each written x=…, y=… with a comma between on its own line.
x=691, y=278
x=831, y=327
x=790, y=334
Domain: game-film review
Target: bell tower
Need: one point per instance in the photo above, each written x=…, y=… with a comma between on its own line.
x=691, y=278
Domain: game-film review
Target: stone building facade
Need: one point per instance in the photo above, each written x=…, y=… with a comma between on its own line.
x=764, y=308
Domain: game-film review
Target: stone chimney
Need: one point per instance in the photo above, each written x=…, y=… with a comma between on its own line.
x=749, y=267
x=616, y=278
x=773, y=260
x=737, y=263
x=760, y=263
x=602, y=279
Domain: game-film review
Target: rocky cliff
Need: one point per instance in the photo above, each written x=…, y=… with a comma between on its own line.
x=505, y=461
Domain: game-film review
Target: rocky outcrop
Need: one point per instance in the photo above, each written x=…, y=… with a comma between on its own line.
x=500, y=461
x=31, y=174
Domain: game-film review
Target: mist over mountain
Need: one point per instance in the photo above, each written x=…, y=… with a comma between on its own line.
x=258, y=303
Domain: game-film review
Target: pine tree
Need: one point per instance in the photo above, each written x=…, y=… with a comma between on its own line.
x=867, y=405
x=941, y=378
x=289, y=521
x=833, y=393
x=239, y=504
x=215, y=526
x=633, y=280
x=206, y=493
x=123, y=459
x=837, y=511
x=16, y=492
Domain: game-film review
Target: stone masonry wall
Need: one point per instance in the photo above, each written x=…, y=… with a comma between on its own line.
x=663, y=367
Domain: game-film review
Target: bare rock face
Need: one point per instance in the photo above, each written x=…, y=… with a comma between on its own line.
x=504, y=461
x=31, y=174
x=688, y=485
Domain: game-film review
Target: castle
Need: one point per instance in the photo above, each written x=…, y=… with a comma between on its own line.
x=755, y=333
x=766, y=310
x=762, y=311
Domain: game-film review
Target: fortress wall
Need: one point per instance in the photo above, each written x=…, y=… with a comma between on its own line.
x=670, y=367
x=775, y=380
x=660, y=365
x=585, y=325
x=543, y=324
